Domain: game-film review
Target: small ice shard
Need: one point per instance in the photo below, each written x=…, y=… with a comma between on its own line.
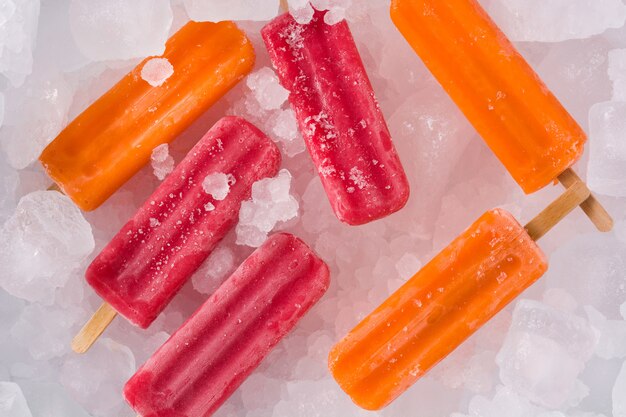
x=41, y=244
x=617, y=73
x=219, y=265
x=220, y=10
x=18, y=32
x=217, y=185
x=607, y=149
x=611, y=334
x=119, y=29
x=162, y=161
x=301, y=10
x=12, y=401
x=34, y=115
x=285, y=129
x=544, y=352
x=619, y=393
x=556, y=20
x=267, y=89
x=270, y=204
x=156, y=71
x=96, y=378
x=45, y=332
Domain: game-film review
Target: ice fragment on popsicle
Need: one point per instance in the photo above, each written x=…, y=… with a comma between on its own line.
x=339, y=117
x=114, y=137
x=523, y=123
x=155, y=253
x=435, y=311
x=207, y=359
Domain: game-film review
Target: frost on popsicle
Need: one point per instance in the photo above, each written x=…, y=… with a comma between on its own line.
x=271, y=204
x=162, y=161
x=156, y=71
x=45, y=239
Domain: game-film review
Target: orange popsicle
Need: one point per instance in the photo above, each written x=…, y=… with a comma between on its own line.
x=511, y=108
x=114, y=137
x=435, y=311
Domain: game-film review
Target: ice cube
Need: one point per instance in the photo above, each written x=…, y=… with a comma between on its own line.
x=619, y=393
x=271, y=203
x=408, y=265
x=120, y=29
x=219, y=10
x=219, y=265
x=46, y=332
x=267, y=89
x=12, y=401
x=544, y=352
x=18, y=31
x=611, y=334
x=505, y=402
x=217, y=185
x=556, y=20
x=41, y=244
x=607, y=149
x=162, y=161
x=97, y=378
x=617, y=73
x=156, y=71
x=9, y=181
x=285, y=129
x=301, y=10
x=35, y=113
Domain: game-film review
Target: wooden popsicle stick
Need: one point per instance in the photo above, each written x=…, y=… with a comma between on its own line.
x=591, y=206
x=54, y=187
x=557, y=210
x=90, y=332
x=284, y=7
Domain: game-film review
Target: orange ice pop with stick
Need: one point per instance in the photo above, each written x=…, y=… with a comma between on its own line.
x=114, y=137
x=450, y=298
x=523, y=123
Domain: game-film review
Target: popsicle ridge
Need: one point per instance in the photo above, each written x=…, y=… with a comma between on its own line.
x=339, y=117
x=232, y=332
x=148, y=261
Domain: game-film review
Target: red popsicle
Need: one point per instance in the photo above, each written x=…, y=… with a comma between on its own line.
x=156, y=252
x=207, y=359
x=339, y=117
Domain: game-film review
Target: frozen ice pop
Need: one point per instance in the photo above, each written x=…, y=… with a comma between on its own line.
x=156, y=252
x=114, y=137
x=523, y=123
x=339, y=117
x=461, y=288
x=207, y=359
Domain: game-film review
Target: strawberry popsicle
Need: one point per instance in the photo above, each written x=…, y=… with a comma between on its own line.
x=114, y=137
x=523, y=123
x=207, y=359
x=450, y=298
x=339, y=117
x=156, y=252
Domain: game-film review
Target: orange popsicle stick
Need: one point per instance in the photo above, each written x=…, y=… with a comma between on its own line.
x=113, y=138
x=465, y=285
x=520, y=119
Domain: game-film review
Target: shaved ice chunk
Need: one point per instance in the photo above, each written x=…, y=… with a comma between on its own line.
x=285, y=129
x=301, y=10
x=12, y=401
x=607, y=149
x=271, y=204
x=544, y=352
x=267, y=89
x=156, y=71
x=556, y=20
x=18, y=31
x=35, y=114
x=41, y=244
x=120, y=29
x=220, y=10
x=162, y=161
x=217, y=185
